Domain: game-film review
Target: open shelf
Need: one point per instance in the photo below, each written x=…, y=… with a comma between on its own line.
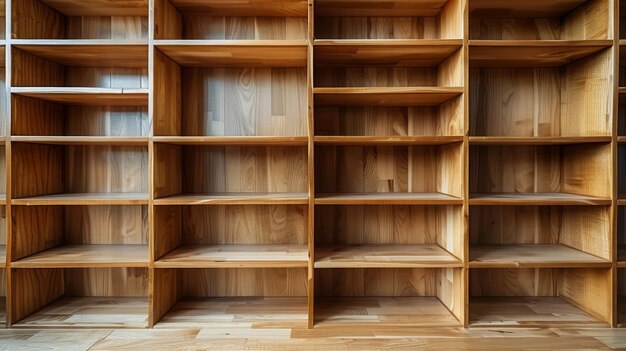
x=532, y=256
x=536, y=199
x=387, y=140
x=92, y=19
x=234, y=140
x=224, y=297
x=229, y=256
x=83, y=140
x=87, y=53
x=83, y=199
x=86, y=96
x=536, y=140
x=368, y=297
x=87, y=256
x=234, y=198
x=384, y=96
x=80, y=297
x=384, y=256
x=540, y=297
x=621, y=297
x=395, y=198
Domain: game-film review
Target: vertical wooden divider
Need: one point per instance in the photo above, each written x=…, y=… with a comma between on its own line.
x=151, y=172
x=7, y=150
x=466, y=165
x=614, y=160
x=311, y=166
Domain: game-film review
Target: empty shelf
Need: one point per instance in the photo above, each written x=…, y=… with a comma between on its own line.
x=387, y=52
x=92, y=312
x=220, y=312
x=236, y=53
x=527, y=8
x=84, y=199
x=506, y=140
x=532, y=53
x=532, y=256
x=384, y=256
x=82, y=256
x=88, y=53
x=377, y=9
x=84, y=140
x=86, y=96
x=382, y=311
x=229, y=256
x=235, y=199
x=555, y=199
x=99, y=7
x=533, y=312
x=235, y=140
x=3, y=256
x=386, y=198
x=383, y=96
x=388, y=140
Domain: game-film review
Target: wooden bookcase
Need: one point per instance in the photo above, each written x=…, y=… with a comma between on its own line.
x=313, y=163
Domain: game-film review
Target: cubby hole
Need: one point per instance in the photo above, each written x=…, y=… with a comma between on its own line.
x=79, y=236
x=80, y=297
x=208, y=99
x=413, y=297
x=3, y=294
x=224, y=20
x=432, y=172
x=4, y=119
x=622, y=19
x=621, y=297
x=571, y=100
x=621, y=233
x=540, y=297
x=389, y=236
x=540, y=20
x=621, y=116
x=341, y=19
x=228, y=172
x=443, y=120
x=540, y=236
x=541, y=173
x=74, y=174
x=231, y=236
x=622, y=66
x=89, y=19
x=228, y=297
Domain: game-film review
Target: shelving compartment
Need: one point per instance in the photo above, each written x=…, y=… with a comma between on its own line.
x=540, y=20
x=230, y=297
x=46, y=174
x=80, y=297
x=415, y=297
x=388, y=236
x=540, y=175
x=542, y=297
x=621, y=297
x=539, y=236
x=251, y=20
x=374, y=174
x=340, y=19
x=116, y=20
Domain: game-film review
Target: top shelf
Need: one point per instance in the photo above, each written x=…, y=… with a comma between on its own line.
x=263, y=8
x=403, y=8
x=99, y=7
x=532, y=53
x=527, y=8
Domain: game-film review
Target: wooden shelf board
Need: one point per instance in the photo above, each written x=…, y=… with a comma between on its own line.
x=375, y=8
x=622, y=42
x=234, y=140
x=385, y=52
x=3, y=310
x=333, y=312
x=234, y=256
x=236, y=53
x=88, y=53
x=621, y=255
x=273, y=8
x=621, y=90
x=528, y=8
x=554, y=199
x=3, y=256
x=530, y=312
x=3, y=199
x=86, y=96
x=621, y=139
x=387, y=140
x=515, y=140
x=384, y=256
x=532, y=256
x=384, y=96
x=221, y=312
x=87, y=256
x=532, y=53
x=84, y=140
x=386, y=198
x=235, y=199
x=84, y=199
x=100, y=7
x=90, y=312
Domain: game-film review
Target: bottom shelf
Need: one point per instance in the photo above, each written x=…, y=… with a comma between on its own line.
x=383, y=311
x=90, y=312
x=533, y=312
x=225, y=312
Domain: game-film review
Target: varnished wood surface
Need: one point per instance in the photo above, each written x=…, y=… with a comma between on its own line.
x=531, y=256
x=535, y=199
x=379, y=256
x=234, y=199
x=520, y=140
x=87, y=53
x=235, y=140
x=83, y=140
x=387, y=140
x=287, y=8
x=80, y=256
x=100, y=7
x=420, y=96
x=84, y=199
x=86, y=96
x=386, y=198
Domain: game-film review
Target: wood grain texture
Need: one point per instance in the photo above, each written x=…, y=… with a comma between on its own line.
x=283, y=8
x=384, y=96
x=86, y=53
x=532, y=256
x=384, y=256
x=87, y=256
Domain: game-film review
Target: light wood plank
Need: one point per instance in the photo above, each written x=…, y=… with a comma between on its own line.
x=531, y=256
x=235, y=198
x=386, y=198
x=535, y=199
x=270, y=8
x=86, y=96
x=84, y=199
x=387, y=140
x=100, y=7
x=86, y=256
x=234, y=140
x=83, y=140
x=520, y=140
x=417, y=96
x=88, y=53
x=384, y=255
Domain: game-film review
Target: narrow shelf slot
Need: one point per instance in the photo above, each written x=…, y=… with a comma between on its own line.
x=387, y=140
x=86, y=96
x=87, y=53
x=532, y=256
x=537, y=140
x=536, y=199
x=83, y=199
x=84, y=140
x=384, y=256
x=87, y=256
x=235, y=198
x=234, y=140
x=384, y=96
x=386, y=198
x=230, y=256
